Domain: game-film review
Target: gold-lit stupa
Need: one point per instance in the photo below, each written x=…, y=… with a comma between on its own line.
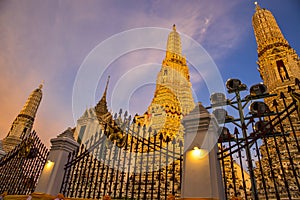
x=173, y=94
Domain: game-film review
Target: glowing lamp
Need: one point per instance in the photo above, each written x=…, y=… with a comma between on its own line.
x=49, y=165
x=199, y=153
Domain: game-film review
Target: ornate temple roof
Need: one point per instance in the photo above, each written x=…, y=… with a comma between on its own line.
x=266, y=28
x=101, y=109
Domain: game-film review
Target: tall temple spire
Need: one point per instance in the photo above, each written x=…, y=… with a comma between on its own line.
x=174, y=73
x=278, y=62
x=105, y=90
x=173, y=95
x=93, y=119
x=31, y=106
x=101, y=109
x=23, y=123
x=279, y=67
x=266, y=29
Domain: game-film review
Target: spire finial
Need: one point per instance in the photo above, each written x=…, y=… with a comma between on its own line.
x=257, y=7
x=174, y=27
x=41, y=85
x=105, y=90
x=101, y=107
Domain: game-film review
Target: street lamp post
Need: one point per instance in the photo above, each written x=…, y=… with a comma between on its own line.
x=258, y=91
x=247, y=149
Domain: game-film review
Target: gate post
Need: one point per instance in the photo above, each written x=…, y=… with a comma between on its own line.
x=53, y=172
x=202, y=178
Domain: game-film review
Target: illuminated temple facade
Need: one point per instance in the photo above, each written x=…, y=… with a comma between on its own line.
x=173, y=97
x=172, y=100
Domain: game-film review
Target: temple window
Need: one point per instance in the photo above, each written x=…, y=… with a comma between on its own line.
x=165, y=72
x=282, y=70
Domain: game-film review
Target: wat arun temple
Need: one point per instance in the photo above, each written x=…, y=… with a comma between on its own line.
x=172, y=98
x=162, y=124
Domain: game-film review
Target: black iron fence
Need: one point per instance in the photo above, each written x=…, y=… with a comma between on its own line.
x=20, y=169
x=273, y=139
x=259, y=160
x=125, y=161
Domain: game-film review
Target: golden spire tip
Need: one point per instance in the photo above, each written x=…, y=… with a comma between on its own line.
x=107, y=79
x=257, y=7
x=174, y=27
x=107, y=82
x=41, y=85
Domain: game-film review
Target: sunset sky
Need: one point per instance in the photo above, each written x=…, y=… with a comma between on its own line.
x=49, y=40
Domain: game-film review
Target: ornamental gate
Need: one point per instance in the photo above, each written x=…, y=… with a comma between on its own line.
x=272, y=169
x=21, y=168
x=259, y=160
x=125, y=161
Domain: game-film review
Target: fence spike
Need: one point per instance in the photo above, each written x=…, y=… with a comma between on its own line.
x=297, y=82
x=282, y=96
x=161, y=136
x=134, y=120
x=168, y=139
x=275, y=103
x=236, y=131
x=174, y=140
x=180, y=143
x=290, y=89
